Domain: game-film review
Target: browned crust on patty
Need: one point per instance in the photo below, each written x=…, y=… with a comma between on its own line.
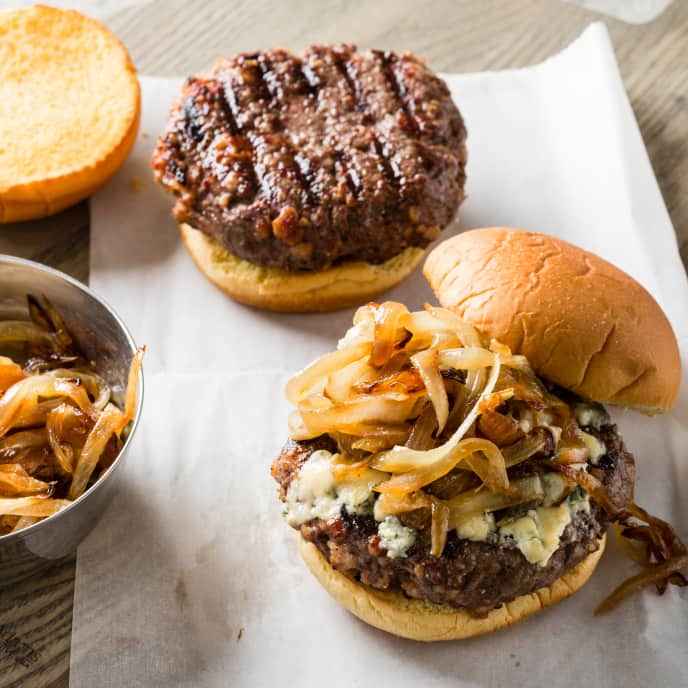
x=301, y=162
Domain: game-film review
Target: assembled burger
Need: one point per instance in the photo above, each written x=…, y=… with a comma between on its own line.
x=315, y=181
x=452, y=471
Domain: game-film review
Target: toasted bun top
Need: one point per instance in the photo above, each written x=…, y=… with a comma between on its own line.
x=68, y=98
x=582, y=323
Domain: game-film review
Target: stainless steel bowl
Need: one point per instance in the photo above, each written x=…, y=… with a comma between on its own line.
x=104, y=339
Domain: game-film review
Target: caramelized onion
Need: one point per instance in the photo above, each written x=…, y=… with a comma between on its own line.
x=428, y=332
x=465, y=358
x=16, y=482
x=472, y=502
x=421, y=436
x=489, y=402
x=452, y=484
x=591, y=485
x=400, y=381
x=475, y=383
x=25, y=394
x=50, y=316
x=297, y=429
x=110, y=421
x=417, y=476
x=132, y=394
x=522, y=450
x=399, y=504
x=344, y=468
x=651, y=575
x=313, y=374
x=55, y=427
x=489, y=466
x=35, y=415
x=24, y=522
x=387, y=318
x=404, y=459
x=439, y=528
x=500, y=429
x=378, y=443
x=351, y=415
x=340, y=383
x=466, y=333
x=24, y=331
x=525, y=386
x=54, y=413
x=31, y=506
x=94, y=384
x=17, y=441
x=10, y=373
x=634, y=547
x=426, y=362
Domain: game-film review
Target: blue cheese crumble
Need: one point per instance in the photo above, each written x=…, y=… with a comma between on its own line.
x=315, y=493
x=590, y=415
x=538, y=532
x=396, y=538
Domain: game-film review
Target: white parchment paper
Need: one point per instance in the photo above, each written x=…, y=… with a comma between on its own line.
x=192, y=578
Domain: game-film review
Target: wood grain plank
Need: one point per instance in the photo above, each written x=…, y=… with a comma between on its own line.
x=36, y=627
x=60, y=241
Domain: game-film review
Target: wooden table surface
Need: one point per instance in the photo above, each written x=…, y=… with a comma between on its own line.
x=178, y=37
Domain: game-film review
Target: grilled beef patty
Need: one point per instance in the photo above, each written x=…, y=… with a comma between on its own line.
x=478, y=576
x=303, y=162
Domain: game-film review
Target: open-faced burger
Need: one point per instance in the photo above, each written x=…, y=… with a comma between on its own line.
x=452, y=471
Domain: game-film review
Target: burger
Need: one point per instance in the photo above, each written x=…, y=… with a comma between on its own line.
x=312, y=182
x=453, y=471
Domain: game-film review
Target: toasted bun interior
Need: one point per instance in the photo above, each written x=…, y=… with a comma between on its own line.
x=583, y=323
x=69, y=109
x=342, y=286
x=399, y=615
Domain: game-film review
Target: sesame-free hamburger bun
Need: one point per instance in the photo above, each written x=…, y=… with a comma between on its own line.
x=69, y=109
x=395, y=613
x=583, y=323
x=273, y=289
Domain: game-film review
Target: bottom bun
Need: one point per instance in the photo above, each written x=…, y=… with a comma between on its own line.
x=277, y=290
x=406, y=617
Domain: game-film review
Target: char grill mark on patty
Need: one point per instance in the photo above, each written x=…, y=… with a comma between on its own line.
x=478, y=576
x=215, y=139
x=249, y=101
x=301, y=163
x=396, y=87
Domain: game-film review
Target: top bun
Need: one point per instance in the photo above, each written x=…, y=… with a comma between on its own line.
x=69, y=109
x=581, y=322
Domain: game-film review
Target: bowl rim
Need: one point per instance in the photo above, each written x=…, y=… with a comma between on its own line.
x=75, y=283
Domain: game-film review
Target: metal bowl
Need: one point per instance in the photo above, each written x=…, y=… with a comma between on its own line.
x=105, y=340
